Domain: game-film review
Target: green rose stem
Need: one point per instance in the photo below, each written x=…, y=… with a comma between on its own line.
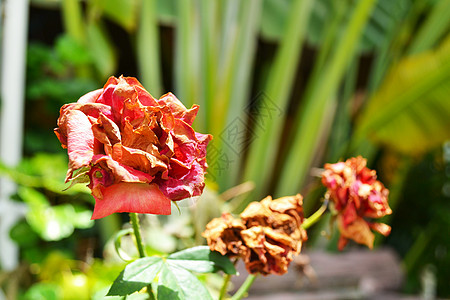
x=307, y=222
x=140, y=246
x=242, y=291
x=223, y=290
x=137, y=233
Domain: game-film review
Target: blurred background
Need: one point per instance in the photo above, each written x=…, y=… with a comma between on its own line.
x=283, y=85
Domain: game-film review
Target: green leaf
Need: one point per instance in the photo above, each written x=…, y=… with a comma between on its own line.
x=434, y=27
x=411, y=110
x=136, y=275
x=143, y=270
x=178, y=283
x=175, y=278
x=201, y=259
x=121, y=287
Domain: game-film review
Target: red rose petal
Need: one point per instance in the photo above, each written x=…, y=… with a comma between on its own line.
x=131, y=197
x=80, y=140
x=90, y=97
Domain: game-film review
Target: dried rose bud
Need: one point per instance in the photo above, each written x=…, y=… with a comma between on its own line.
x=273, y=235
x=137, y=153
x=357, y=196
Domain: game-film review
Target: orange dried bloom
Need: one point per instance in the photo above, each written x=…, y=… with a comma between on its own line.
x=224, y=235
x=357, y=196
x=267, y=236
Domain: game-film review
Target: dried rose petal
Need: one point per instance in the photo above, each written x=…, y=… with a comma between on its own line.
x=357, y=195
x=138, y=152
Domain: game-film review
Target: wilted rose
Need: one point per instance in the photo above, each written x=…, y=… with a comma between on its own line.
x=358, y=197
x=224, y=235
x=137, y=153
x=274, y=234
x=267, y=235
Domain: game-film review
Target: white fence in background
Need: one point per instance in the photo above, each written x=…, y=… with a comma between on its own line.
x=14, y=29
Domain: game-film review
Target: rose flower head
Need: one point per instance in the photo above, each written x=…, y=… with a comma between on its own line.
x=358, y=197
x=267, y=235
x=224, y=236
x=136, y=153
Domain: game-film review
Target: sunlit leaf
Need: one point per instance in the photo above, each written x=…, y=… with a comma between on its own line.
x=201, y=259
x=411, y=110
x=121, y=287
x=136, y=276
x=175, y=280
x=178, y=283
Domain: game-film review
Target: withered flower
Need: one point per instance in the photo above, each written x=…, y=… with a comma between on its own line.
x=267, y=235
x=357, y=196
x=224, y=235
x=136, y=153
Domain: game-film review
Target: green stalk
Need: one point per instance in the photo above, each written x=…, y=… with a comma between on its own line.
x=148, y=48
x=73, y=20
x=420, y=245
x=224, y=70
x=209, y=49
x=185, y=67
x=396, y=187
x=340, y=133
x=307, y=136
x=315, y=217
x=224, y=288
x=262, y=154
x=137, y=233
x=435, y=26
x=242, y=291
x=395, y=43
x=329, y=36
x=75, y=27
x=140, y=246
x=239, y=79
